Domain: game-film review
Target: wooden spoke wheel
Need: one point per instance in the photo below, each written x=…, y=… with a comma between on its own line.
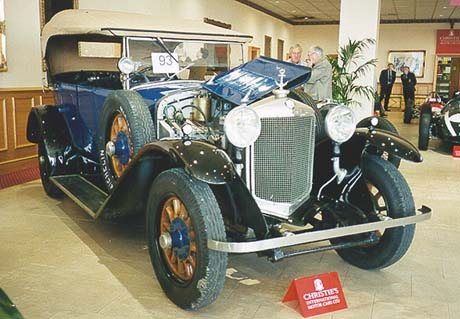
x=389, y=197
x=182, y=215
x=179, y=245
x=126, y=125
x=379, y=204
x=378, y=200
x=119, y=129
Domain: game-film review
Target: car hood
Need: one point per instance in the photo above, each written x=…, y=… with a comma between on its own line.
x=259, y=77
x=152, y=92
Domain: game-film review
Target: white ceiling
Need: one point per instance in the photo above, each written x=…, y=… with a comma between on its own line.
x=328, y=11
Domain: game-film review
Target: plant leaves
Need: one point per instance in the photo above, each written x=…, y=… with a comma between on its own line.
x=348, y=68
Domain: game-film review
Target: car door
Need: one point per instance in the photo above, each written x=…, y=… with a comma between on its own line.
x=66, y=94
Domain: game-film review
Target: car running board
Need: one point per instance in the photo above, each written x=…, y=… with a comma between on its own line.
x=316, y=236
x=82, y=192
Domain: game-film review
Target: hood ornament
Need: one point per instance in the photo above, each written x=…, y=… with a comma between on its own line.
x=280, y=92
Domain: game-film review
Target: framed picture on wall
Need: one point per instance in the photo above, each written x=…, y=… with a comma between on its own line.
x=415, y=60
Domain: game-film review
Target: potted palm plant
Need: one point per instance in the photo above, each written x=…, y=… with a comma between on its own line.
x=347, y=68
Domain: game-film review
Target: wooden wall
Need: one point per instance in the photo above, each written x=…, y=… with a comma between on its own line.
x=397, y=99
x=16, y=152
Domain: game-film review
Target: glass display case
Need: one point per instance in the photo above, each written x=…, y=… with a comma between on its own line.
x=443, y=76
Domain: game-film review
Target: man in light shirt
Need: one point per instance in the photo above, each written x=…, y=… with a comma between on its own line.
x=319, y=86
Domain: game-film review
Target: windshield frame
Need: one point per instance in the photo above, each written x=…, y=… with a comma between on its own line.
x=126, y=53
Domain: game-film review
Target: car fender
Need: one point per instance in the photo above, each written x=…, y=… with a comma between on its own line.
x=200, y=159
x=45, y=124
x=389, y=142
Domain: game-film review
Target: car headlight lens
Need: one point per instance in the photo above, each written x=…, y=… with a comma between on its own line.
x=242, y=126
x=340, y=123
x=126, y=65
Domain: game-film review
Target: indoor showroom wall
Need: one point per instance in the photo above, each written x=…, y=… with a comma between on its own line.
x=23, y=28
x=392, y=37
x=22, y=45
x=241, y=17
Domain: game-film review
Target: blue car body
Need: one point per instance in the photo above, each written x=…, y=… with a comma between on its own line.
x=81, y=105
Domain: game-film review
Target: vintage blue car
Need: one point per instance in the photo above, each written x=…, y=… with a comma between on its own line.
x=164, y=119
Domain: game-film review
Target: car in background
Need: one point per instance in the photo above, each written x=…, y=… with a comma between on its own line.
x=161, y=118
x=439, y=120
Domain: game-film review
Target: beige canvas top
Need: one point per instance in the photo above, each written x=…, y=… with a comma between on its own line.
x=133, y=24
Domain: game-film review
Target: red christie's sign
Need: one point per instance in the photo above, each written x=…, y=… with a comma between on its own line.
x=316, y=294
x=448, y=42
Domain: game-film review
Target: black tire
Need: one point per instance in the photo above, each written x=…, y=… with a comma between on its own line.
x=425, y=108
x=424, y=131
x=383, y=124
x=408, y=111
x=45, y=173
x=141, y=129
x=208, y=277
x=398, y=201
x=303, y=97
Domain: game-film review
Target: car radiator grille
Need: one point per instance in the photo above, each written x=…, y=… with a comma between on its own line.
x=283, y=159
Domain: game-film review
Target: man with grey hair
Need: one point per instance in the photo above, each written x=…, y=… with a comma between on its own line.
x=295, y=55
x=319, y=86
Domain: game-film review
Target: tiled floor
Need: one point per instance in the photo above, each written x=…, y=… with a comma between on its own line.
x=56, y=262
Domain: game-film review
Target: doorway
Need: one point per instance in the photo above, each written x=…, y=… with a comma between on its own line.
x=48, y=8
x=253, y=53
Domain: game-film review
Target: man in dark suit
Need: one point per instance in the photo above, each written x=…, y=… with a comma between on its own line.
x=408, y=82
x=387, y=79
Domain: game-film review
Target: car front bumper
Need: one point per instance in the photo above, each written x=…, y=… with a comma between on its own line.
x=316, y=236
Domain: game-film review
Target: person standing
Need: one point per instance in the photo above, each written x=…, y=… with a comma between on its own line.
x=408, y=82
x=319, y=86
x=387, y=79
x=295, y=55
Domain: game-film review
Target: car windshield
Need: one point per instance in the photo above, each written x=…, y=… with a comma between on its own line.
x=158, y=60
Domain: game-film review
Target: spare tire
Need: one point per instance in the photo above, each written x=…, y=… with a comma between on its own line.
x=125, y=119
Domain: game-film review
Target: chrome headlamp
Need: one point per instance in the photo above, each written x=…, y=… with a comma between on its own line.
x=242, y=126
x=126, y=66
x=340, y=123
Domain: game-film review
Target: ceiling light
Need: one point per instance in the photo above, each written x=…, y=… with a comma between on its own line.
x=441, y=15
x=293, y=11
x=277, y=2
x=444, y=7
x=304, y=18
